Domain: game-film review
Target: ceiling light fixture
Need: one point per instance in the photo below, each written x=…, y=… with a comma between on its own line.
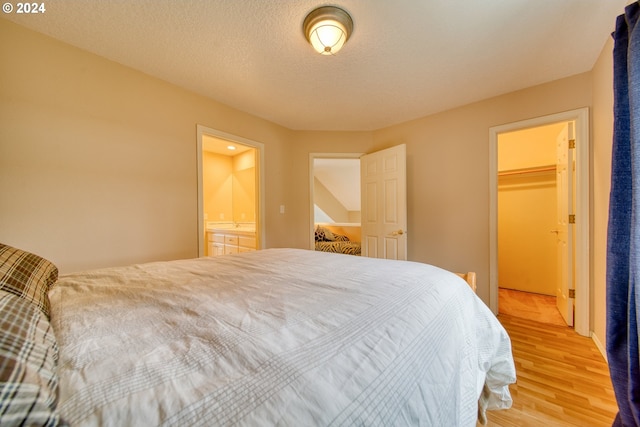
x=230, y=147
x=327, y=28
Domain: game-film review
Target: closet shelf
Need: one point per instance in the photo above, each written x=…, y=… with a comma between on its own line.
x=526, y=171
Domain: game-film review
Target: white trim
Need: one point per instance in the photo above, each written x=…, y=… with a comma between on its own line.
x=582, y=250
x=599, y=346
x=312, y=157
x=493, y=220
x=260, y=214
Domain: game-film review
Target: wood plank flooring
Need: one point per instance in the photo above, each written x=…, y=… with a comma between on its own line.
x=563, y=379
x=530, y=306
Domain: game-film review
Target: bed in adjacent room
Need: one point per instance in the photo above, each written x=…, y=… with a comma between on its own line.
x=338, y=239
x=273, y=337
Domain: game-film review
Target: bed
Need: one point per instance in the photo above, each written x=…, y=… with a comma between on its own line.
x=285, y=337
x=336, y=240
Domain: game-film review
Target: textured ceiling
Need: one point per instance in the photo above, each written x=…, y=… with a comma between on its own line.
x=406, y=58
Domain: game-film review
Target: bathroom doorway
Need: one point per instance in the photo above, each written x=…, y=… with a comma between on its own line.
x=230, y=184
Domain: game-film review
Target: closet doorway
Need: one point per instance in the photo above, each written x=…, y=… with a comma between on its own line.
x=531, y=241
x=230, y=184
x=539, y=215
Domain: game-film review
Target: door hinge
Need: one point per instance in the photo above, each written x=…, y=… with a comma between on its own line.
x=572, y=219
x=572, y=143
x=572, y=293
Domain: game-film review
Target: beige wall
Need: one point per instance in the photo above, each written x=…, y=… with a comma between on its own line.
x=245, y=160
x=602, y=125
x=535, y=147
x=217, y=186
x=325, y=200
x=244, y=187
x=527, y=257
x=98, y=161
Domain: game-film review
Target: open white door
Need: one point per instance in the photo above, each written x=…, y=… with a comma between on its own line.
x=384, y=203
x=564, y=231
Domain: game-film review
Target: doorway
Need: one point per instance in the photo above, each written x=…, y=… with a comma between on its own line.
x=383, y=207
x=229, y=162
x=579, y=261
x=334, y=189
x=530, y=201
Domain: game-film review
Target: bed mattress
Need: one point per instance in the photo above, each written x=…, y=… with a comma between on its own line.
x=277, y=337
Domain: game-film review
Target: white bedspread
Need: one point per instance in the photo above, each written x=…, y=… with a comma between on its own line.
x=277, y=337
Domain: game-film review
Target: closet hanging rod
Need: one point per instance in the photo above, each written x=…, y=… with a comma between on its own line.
x=527, y=171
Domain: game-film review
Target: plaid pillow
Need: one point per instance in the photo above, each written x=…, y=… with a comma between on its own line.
x=27, y=275
x=28, y=360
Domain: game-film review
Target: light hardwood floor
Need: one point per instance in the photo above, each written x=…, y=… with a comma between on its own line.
x=563, y=379
x=530, y=306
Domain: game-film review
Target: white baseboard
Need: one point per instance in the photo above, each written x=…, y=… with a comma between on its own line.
x=598, y=344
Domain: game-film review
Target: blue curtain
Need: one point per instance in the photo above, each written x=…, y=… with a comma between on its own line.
x=623, y=240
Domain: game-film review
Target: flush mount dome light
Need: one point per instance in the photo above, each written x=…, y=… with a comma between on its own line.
x=327, y=28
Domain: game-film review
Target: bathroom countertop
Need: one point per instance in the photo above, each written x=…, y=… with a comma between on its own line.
x=249, y=231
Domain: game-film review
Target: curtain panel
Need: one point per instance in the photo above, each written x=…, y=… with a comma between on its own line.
x=623, y=240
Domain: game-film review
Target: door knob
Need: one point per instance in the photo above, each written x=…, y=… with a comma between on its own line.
x=397, y=233
x=555, y=231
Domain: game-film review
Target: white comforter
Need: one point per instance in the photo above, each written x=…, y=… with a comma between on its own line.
x=277, y=337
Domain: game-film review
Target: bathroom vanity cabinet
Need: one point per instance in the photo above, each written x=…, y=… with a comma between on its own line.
x=230, y=241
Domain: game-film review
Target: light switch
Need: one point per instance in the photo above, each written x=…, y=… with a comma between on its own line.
x=281, y=209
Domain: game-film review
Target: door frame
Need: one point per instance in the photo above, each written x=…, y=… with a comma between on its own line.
x=260, y=214
x=312, y=157
x=582, y=227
